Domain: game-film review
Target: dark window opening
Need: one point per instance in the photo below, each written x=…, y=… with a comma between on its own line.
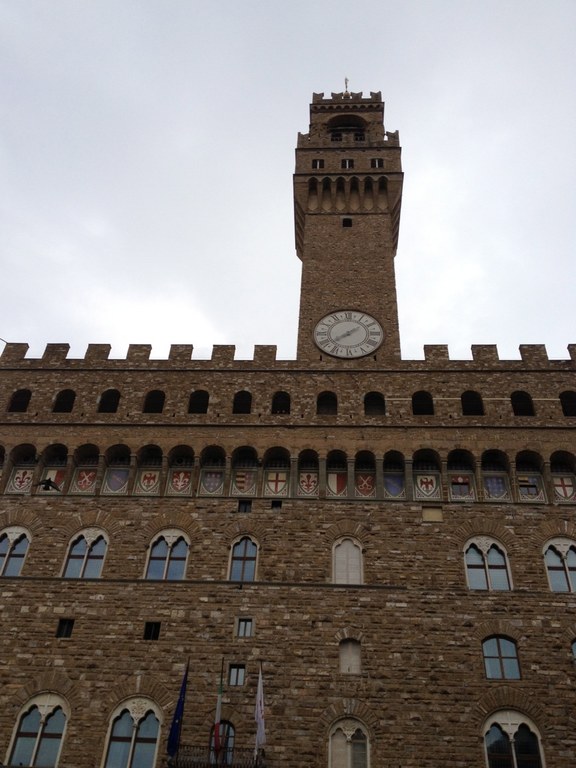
x=347, y=163
x=422, y=404
x=65, y=628
x=154, y=402
x=377, y=162
x=346, y=222
x=374, y=404
x=20, y=401
x=472, y=404
x=109, y=401
x=242, y=402
x=568, y=403
x=522, y=404
x=244, y=505
x=152, y=630
x=198, y=402
x=317, y=164
x=276, y=504
x=281, y=402
x=327, y=404
x=64, y=401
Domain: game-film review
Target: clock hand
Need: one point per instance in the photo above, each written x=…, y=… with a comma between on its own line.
x=344, y=335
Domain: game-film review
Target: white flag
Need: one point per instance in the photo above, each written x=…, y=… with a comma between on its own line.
x=259, y=715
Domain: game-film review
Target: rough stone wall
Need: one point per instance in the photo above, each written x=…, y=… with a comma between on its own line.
x=422, y=692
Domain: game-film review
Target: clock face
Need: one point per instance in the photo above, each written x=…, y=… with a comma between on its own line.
x=348, y=333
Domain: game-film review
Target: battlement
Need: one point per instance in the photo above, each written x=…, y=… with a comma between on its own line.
x=436, y=356
x=347, y=96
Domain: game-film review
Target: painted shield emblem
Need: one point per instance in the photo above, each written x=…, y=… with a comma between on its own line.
x=307, y=483
x=212, y=481
x=116, y=480
x=85, y=480
x=148, y=480
x=337, y=483
x=460, y=487
x=276, y=483
x=495, y=486
x=244, y=482
x=365, y=484
x=564, y=486
x=57, y=476
x=21, y=480
x=394, y=484
x=180, y=481
x=427, y=485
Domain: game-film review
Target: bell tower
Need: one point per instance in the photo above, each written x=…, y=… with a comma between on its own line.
x=347, y=198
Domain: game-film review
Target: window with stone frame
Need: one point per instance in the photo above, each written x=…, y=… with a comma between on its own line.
x=14, y=542
x=350, y=652
x=511, y=741
x=560, y=560
x=168, y=556
x=40, y=732
x=347, y=562
x=349, y=745
x=222, y=748
x=132, y=740
x=86, y=555
x=243, y=560
x=486, y=565
x=500, y=658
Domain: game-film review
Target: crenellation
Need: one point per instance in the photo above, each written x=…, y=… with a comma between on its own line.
x=534, y=354
x=138, y=353
x=180, y=353
x=54, y=354
x=485, y=354
x=436, y=353
x=265, y=354
x=223, y=354
x=13, y=352
x=97, y=353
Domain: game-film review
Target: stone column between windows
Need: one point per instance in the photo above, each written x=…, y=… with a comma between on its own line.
x=322, y=477
x=351, y=479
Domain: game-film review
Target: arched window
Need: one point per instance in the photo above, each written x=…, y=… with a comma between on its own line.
x=511, y=741
x=109, y=401
x=422, y=404
x=350, y=657
x=222, y=747
x=154, y=401
x=347, y=562
x=133, y=737
x=281, y=402
x=13, y=548
x=560, y=559
x=86, y=555
x=522, y=404
x=38, y=738
x=349, y=745
x=327, y=404
x=472, y=404
x=500, y=658
x=242, y=402
x=374, y=404
x=64, y=401
x=243, y=562
x=198, y=402
x=168, y=557
x=486, y=565
x=19, y=401
x=568, y=403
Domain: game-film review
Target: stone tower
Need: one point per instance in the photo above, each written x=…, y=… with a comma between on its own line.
x=347, y=198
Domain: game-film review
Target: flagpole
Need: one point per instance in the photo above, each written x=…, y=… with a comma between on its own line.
x=218, y=716
x=259, y=716
x=173, y=745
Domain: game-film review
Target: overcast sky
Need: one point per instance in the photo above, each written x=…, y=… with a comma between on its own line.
x=147, y=152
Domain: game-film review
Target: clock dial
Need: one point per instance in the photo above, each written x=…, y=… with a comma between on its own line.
x=348, y=333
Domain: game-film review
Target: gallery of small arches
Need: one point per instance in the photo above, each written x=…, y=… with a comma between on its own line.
x=458, y=476
x=198, y=402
